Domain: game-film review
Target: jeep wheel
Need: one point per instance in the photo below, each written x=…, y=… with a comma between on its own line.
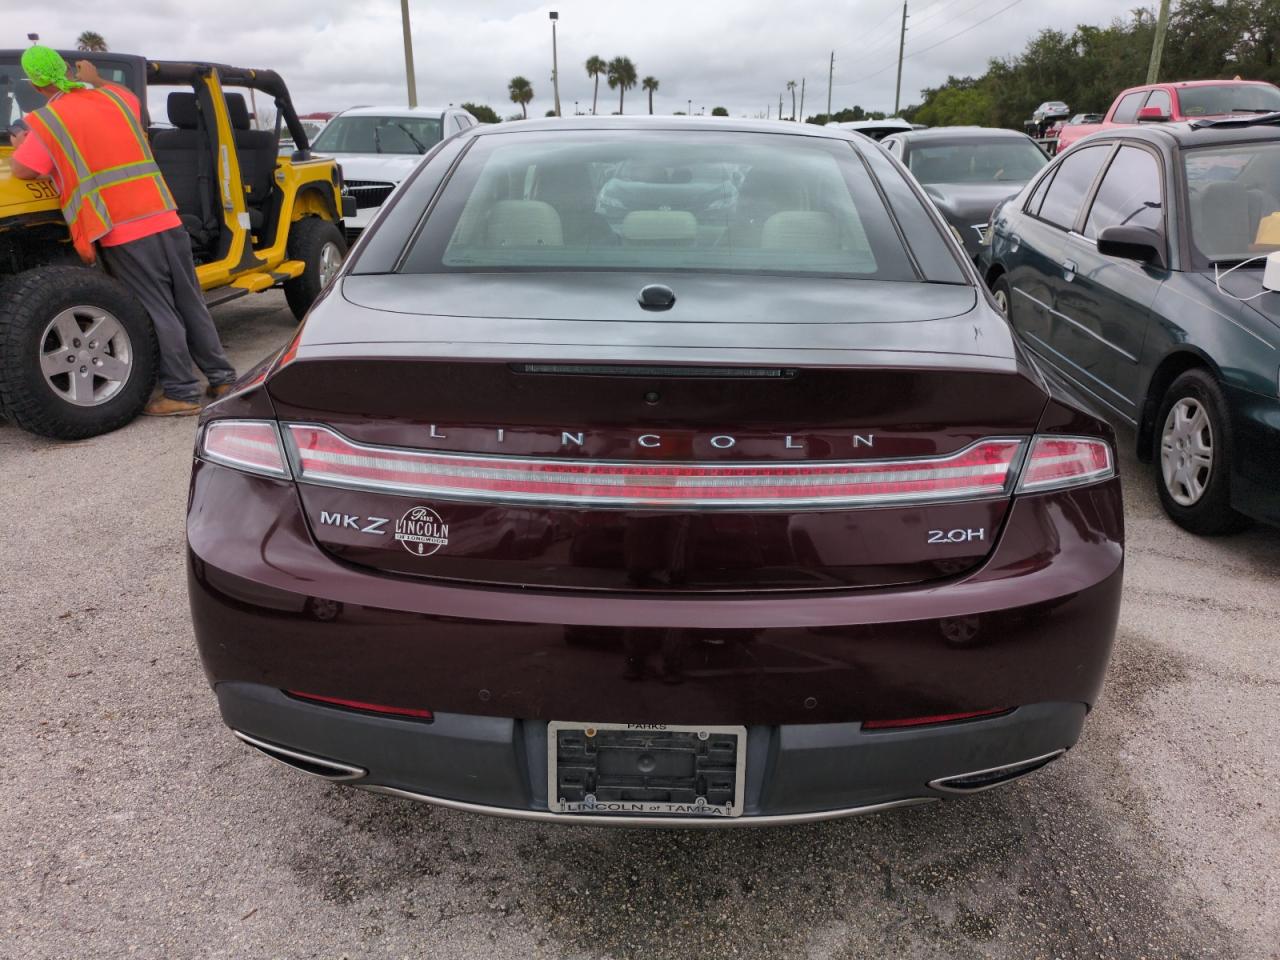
x=320, y=245
x=1193, y=456
x=77, y=352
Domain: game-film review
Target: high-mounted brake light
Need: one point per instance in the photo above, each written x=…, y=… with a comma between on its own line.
x=1057, y=462
x=983, y=469
x=251, y=445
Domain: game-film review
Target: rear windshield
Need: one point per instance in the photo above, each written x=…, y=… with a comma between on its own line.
x=1222, y=99
x=662, y=200
x=1013, y=160
x=378, y=135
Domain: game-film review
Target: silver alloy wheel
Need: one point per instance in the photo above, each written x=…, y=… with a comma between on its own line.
x=330, y=261
x=86, y=356
x=1186, y=451
x=1002, y=301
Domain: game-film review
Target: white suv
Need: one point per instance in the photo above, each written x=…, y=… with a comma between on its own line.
x=379, y=146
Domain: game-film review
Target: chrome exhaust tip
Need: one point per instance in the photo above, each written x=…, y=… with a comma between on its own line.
x=330, y=770
x=978, y=780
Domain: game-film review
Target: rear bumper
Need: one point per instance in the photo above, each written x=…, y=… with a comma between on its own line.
x=794, y=772
x=1032, y=629
x=1256, y=470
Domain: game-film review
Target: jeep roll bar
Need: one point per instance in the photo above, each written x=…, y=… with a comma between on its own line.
x=268, y=81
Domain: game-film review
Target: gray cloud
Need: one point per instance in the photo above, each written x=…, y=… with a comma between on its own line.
x=335, y=53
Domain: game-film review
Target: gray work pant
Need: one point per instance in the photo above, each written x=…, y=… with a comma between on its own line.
x=160, y=272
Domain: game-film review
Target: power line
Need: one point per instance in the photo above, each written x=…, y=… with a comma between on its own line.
x=971, y=26
x=893, y=63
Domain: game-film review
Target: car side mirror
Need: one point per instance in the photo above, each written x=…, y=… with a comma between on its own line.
x=1133, y=243
x=1152, y=115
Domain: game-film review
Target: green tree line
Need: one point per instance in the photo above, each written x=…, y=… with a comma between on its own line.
x=1089, y=66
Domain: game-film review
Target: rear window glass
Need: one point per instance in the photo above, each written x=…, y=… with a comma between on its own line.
x=1221, y=99
x=635, y=200
x=969, y=162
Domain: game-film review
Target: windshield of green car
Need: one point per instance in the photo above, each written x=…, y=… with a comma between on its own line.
x=375, y=134
x=1012, y=160
x=1221, y=99
x=1235, y=200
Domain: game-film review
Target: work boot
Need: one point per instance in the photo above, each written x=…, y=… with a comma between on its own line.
x=219, y=391
x=169, y=407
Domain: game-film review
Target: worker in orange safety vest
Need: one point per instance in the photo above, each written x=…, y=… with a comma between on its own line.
x=90, y=142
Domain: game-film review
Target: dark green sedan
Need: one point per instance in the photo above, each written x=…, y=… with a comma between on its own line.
x=1133, y=268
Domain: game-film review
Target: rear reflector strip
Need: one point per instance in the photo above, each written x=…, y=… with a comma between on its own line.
x=937, y=718
x=984, y=469
x=411, y=712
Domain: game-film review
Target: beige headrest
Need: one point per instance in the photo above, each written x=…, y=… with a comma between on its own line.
x=524, y=223
x=659, y=226
x=800, y=230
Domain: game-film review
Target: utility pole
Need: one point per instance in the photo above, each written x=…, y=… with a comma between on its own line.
x=555, y=61
x=831, y=75
x=1157, y=46
x=902, y=43
x=779, y=106
x=408, y=54
x=800, y=118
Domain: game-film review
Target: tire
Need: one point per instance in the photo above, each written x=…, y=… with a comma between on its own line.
x=1193, y=448
x=50, y=314
x=1003, y=294
x=312, y=240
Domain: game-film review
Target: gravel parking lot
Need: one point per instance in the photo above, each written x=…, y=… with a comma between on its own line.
x=133, y=824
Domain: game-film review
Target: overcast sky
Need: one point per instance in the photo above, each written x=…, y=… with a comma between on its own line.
x=740, y=54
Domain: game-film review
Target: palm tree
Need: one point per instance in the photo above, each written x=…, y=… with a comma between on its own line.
x=91, y=42
x=791, y=85
x=521, y=92
x=595, y=68
x=622, y=77
x=650, y=84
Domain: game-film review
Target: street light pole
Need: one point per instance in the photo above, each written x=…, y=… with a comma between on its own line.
x=408, y=53
x=555, y=61
x=831, y=75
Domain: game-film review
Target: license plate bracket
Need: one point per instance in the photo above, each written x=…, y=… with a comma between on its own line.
x=627, y=769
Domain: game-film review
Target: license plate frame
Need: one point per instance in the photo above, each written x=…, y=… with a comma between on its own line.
x=665, y=736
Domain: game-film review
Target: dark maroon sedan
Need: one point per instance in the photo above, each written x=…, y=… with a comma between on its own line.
x=656, y=471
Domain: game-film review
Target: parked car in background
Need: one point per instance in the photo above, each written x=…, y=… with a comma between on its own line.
x=1171, y=102
x=1133, y=268
x=380, y=146
x=752, y=513
x=879, y=129
x=967, y=171
x=1045, y=116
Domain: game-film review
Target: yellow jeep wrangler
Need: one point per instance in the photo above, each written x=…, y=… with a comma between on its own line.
x=77, y=351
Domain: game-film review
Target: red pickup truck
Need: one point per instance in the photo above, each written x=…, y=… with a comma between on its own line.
x=1187, y=100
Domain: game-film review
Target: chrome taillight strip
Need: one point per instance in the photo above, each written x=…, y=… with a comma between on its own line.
x=983, y=469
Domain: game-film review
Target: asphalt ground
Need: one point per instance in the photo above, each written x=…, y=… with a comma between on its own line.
x=133, y=824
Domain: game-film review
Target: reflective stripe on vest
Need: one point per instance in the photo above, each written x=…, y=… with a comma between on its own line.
x=89, y=185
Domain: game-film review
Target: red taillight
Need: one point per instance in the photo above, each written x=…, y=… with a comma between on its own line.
x=1057, y=462
x=982, y=469
x=360, y=705
x=252, y=445
x=937, y=718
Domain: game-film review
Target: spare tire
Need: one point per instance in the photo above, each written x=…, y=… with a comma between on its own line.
x=78, y=353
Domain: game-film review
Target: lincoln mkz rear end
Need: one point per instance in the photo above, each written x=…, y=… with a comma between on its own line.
x=656, y=472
